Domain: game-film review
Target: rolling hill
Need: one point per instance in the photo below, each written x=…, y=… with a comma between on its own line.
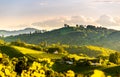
x=30, y=53
x=17, y=32
x=10, y=51
x=79, y=35
x=92, y=51
x=16, y=51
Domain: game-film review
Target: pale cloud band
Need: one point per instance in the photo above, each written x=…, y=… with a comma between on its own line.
x=104, y=20
x=107, y=1
x=50, y=14
x=58, y=22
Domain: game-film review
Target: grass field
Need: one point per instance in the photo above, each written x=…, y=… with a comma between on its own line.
x=27, y=51
x=47, y=55
x=37, y=54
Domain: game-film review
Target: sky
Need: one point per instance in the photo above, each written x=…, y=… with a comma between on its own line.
x=52, y=14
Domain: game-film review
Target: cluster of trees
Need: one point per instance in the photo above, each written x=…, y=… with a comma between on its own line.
x=115, y=57
x=79, y=35
x=84, y=60
x=6, y=67
x=43, y=46
x=40, y=68
x=87, y=27
x=23, y=44
x=43, y=67
x=21, y=67
x=56, y=48
x=62, y=49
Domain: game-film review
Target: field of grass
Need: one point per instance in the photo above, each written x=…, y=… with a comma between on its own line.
x=37, y=54
x=27, y=51
x=47, y=55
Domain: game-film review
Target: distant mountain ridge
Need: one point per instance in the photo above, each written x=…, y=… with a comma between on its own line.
x=79, y=35
x=17, y=32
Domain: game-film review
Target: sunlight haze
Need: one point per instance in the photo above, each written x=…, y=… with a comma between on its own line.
x=50, y=14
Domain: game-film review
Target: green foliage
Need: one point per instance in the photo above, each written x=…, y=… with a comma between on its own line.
x=114, y=71
x=98, y=73
x=56, y=48
x=34, y=54
x=22, y=64
x=43, y=44
x=2, y=42
x=70, y=73
x=45, y=62
x=34, y=71
x=23, y=44
x=75, y=57
x=12, y=52
x=115, y=58
x=6, y=68
x=93, y=51
x=5, y=60
x=44, y=65
x=46, y=55
x=79, y=35
x=26, y=50
x=18, y=43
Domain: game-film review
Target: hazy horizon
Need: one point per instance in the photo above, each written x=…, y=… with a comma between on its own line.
x=52, y=14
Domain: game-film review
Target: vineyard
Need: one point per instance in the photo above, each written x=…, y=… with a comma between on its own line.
x=19, y=59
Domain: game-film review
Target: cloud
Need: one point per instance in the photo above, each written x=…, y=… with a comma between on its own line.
x=107, y=21
x=104, y=20
x=107, y=1
x=50, y=24
x=43, y=3
x=59, y=22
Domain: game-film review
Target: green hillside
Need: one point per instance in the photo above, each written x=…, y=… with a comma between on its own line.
x=90, y=50
x=12, y=52
x=37, y=54
x=79, y=35
x=26, y=50
x=59, y=64
x=16, y=51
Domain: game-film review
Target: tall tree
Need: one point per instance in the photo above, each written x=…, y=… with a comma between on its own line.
x=115, y=57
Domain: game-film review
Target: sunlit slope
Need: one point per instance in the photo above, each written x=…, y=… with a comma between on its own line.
x=34, y=54
x=26, y=50
x=10, y=51
x=90, y=50
x=47, y=55
x=89, y=35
